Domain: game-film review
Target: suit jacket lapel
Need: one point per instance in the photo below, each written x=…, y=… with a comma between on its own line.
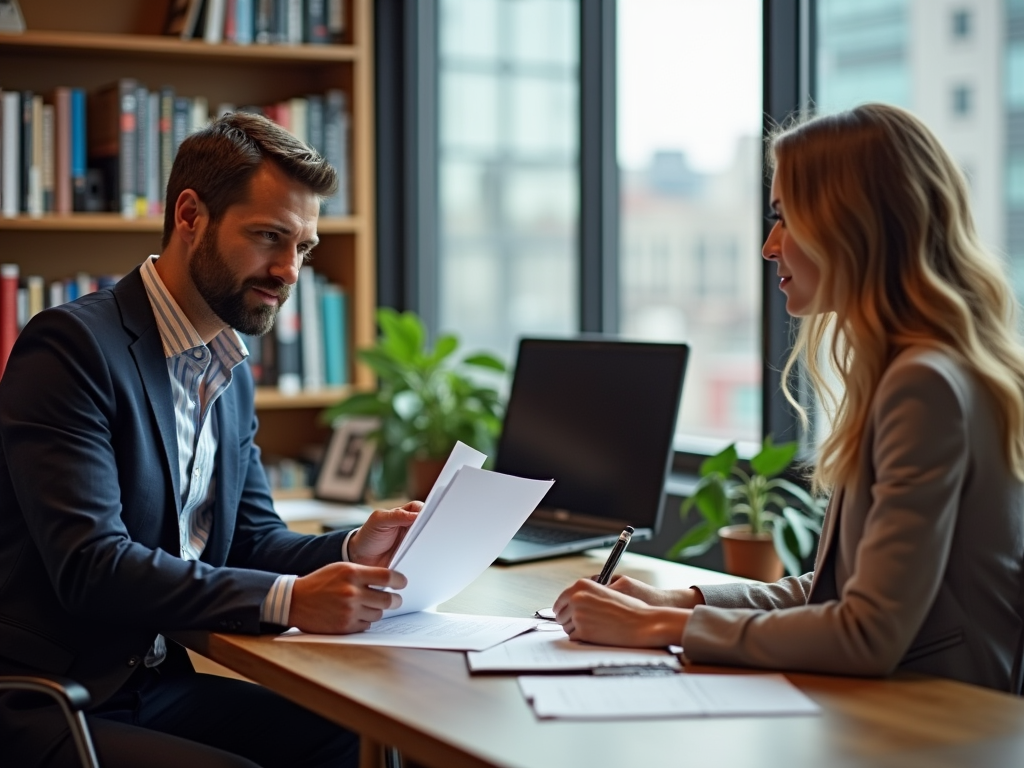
x=148, y=352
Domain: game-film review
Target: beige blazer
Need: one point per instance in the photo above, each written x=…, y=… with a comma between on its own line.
x=920, y=563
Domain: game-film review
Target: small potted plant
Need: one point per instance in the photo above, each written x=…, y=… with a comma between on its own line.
x=425, y=402
x=752, y=513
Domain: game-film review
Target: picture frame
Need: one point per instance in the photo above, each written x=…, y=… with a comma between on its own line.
x=347, y=461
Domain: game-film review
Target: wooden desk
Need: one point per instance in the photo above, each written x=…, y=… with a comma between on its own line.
x=426, y=704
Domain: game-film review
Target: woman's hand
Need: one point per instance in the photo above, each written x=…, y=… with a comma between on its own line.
x=668, y=598
x=593, y=613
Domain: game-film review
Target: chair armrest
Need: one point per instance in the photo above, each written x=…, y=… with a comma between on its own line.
x=72, y=698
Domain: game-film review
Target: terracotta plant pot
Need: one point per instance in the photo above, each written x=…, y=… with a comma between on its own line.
x=421, y=476
x=750, y=555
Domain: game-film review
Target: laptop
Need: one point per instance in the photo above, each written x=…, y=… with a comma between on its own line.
x=597, y=415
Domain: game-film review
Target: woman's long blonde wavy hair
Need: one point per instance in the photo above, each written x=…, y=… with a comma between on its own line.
x=876, y=202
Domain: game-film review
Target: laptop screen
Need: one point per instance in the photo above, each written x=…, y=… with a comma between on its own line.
x=598, y=416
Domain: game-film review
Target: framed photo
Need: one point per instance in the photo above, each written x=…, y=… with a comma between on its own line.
x=346, y=464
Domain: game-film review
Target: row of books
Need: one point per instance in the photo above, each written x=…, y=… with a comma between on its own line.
x=113, y=150
x=306, y=351
x=257, y=21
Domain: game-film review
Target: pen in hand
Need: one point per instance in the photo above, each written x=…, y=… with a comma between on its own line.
x=613, y=557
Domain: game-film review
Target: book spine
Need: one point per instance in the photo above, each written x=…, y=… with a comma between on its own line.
x=335, y=19
x=244, y=22
x=294, y=21
x=263, y=21
x=289, y=354
x=336, y=150
x=200, y=114
x=215, y=12
x=35, y=186
x=316, y=22
x=56, y=294
x=181, y=121
x=62, y=150
x=11, y=195
x=315, y=122
x=26, y=151
x=49, y=158
x=312, y=334
x=154, y=178
x=79, y=154
x=334, y=327
x=141, y=150
x=8, y=311
x=128, y=146
x=231, y=21
x=299, y=111
x=36, y=289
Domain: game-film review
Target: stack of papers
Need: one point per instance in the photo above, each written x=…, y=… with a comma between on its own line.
x=585, y=697
x=553, y=651
x=466, y=521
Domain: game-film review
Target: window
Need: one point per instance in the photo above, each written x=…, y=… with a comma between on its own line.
x=689, y=150
x=508, y=170
x=961, y=24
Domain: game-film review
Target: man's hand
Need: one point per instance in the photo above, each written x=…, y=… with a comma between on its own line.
x=375, y=543
x=343, y=597
x=594, y=613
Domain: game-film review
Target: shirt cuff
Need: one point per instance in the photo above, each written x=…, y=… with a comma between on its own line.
x=278, y=602
x=344, y=546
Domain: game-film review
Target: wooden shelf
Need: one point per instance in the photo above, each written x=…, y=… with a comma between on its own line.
x=160, y=47
x=271, y=398
x=115, y=222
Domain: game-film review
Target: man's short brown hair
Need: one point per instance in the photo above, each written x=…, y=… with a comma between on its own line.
x=218, y=161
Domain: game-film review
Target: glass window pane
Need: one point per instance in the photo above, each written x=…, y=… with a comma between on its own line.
x=508, y=170
x=690, y=161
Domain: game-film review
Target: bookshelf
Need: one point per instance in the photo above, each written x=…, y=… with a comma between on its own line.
x=87, y=45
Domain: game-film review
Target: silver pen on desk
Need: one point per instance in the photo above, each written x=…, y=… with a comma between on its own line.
x=613, y=557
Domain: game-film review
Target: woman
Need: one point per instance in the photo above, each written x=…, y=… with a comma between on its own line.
x=920, y=561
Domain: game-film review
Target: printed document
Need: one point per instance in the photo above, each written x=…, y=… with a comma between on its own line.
x=553, y=651
x=586, y=697
x=439, y=631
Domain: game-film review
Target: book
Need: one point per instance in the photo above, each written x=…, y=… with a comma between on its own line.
x=244, y=25
x=35, y=288
x=47, y=150
x=10, y=196
x=182, y=18
x=336, y=150
x=113, y=148
x=263, y=21
x=315, y=122
x=335, y=19
x=141, y=184
x=62, y=199
x=8, y=311
x=79, y=152
x=213, y=30
x=35, y=167
x=289, y=351
x=294, y=21
x=335, y=333
x=154, y=178
x=312, y=333
x=25, y=158
x=316, y=22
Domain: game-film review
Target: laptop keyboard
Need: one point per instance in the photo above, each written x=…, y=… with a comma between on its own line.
x=540, y=535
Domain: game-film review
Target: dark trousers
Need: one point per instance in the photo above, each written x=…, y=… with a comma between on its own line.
x=193, y=720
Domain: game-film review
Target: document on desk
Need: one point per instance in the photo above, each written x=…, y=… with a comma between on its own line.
x=465, y=526
x=553, y=651
x=426, y=629
x=586, y=697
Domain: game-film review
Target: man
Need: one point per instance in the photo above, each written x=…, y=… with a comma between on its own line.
x=132, y=498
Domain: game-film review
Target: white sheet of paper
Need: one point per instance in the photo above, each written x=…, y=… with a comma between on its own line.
x=439, y=631
x=584, y=697
x=461, y=456
x=555, y=652
x=469, y=527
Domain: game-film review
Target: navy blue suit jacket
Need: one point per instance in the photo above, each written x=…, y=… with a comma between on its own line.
x=90, y=570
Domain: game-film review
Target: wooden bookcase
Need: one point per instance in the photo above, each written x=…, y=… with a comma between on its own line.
x=89, y=44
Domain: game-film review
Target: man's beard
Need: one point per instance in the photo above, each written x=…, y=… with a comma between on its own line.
x=229, y=301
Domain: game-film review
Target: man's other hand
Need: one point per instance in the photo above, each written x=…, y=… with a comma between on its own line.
x=341, y=598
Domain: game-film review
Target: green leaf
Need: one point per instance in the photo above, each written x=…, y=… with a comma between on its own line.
x=772, y=459
x=797, y=524
x=713, y=504
x=789, y=560
x=721, y=463
x=361, y=404
x=444, y=347
x=484, y=360
x=812, y=505
x=695, y=541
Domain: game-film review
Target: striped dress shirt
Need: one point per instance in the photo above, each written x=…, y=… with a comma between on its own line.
x=199, y=374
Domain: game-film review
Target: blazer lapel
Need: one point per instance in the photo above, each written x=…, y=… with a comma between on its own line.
x=825, y=543
x=148, y=352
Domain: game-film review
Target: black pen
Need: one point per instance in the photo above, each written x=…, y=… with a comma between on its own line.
x=614, y=555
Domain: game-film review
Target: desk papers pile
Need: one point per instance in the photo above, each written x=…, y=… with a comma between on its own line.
x=586, y=697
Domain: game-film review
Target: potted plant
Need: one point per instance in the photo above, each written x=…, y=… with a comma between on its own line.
x=761, y=531
x=425, y=402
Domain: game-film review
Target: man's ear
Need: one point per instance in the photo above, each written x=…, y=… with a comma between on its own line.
x=190, y=214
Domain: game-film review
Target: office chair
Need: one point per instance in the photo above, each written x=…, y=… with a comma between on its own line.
x=72, y=698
